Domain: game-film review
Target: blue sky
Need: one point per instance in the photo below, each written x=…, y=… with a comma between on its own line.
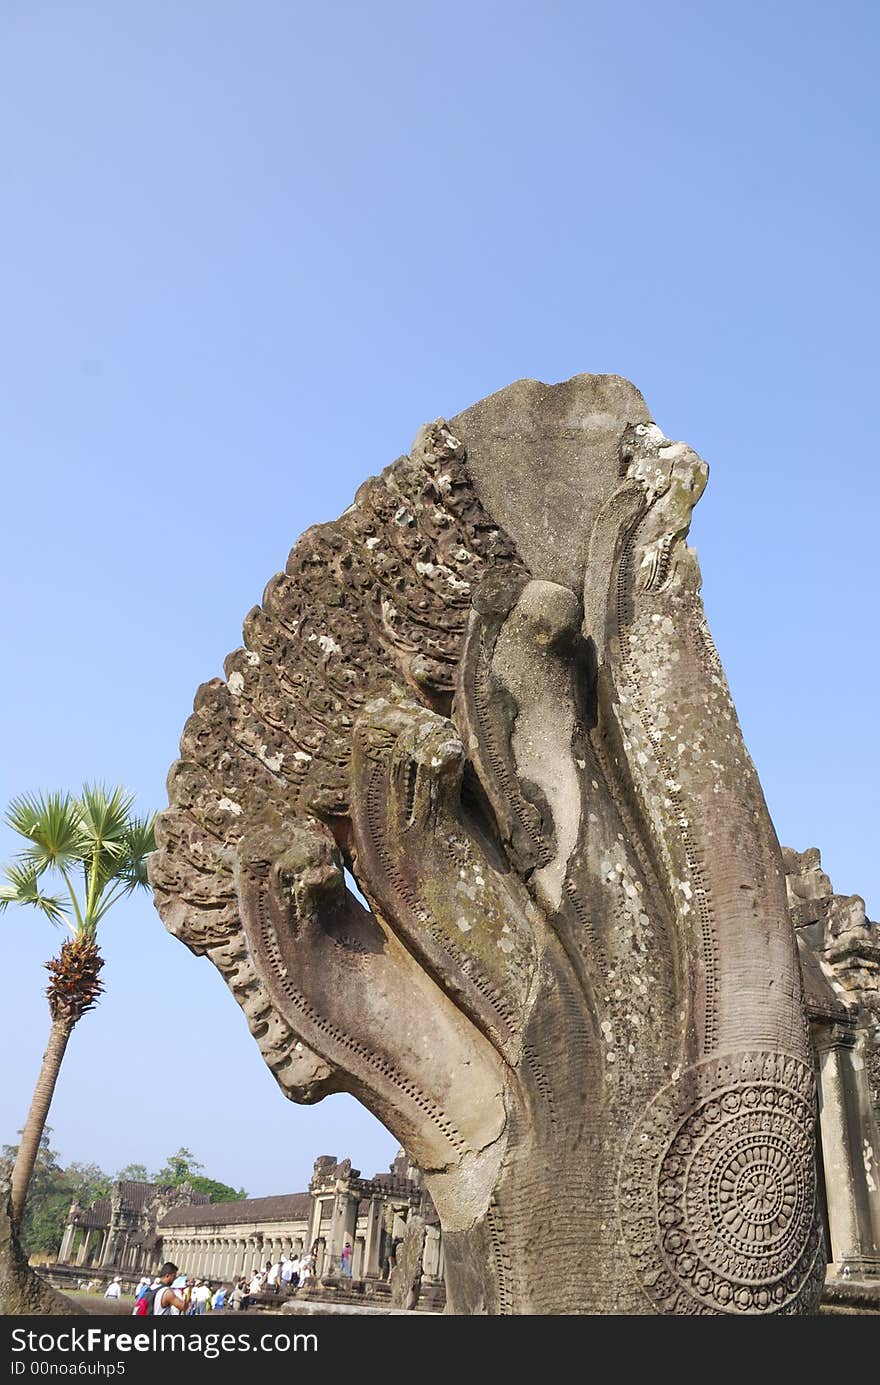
x=247, y=249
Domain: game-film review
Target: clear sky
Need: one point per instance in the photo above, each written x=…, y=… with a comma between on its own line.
x=246, y=249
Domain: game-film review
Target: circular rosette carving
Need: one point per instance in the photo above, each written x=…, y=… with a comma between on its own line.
x=717, y=1195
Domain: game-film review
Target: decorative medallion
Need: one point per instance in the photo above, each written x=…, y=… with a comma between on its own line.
x=717, y=1193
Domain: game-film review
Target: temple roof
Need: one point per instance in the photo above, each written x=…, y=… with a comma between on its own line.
x=283, y=1207
x=133, y=1196
x=98, y=1215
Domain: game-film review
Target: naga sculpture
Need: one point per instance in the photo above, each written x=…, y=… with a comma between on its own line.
x=488, y=692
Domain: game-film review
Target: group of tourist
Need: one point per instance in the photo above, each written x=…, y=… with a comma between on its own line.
x=281, y=1276
x=173, y=1292
x=181, y=1294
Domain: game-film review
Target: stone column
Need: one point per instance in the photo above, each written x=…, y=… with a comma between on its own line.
x=373, y=1239
x=851, y=1166
x=84, y=1247
x=67, y=1242
x=349, y=1225
x=345, y=1205
x=314, y=1230
x=431, y=1253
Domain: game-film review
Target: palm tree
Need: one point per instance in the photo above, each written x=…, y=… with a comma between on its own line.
x=93, y=839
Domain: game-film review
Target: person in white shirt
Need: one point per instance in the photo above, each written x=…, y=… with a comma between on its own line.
x=200, y=1295
x=114, y=1288
x=306, y=1268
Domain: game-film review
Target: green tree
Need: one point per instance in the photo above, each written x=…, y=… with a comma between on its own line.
x=87, y=1182
x=183, y=1167
x=134, y=1173
x=217, y=1192
x=95, y=839
x=179, y=1167
x=52, y=1190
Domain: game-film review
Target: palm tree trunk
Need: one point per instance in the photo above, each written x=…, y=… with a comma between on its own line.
x=36, y=1119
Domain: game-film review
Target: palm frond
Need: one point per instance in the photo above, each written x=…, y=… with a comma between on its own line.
x=21, y=887
x=130, y=871
x=105, y=816
x=52, y=825
x=140, y=842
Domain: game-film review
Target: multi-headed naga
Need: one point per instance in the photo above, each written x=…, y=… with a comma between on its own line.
x=488, y=693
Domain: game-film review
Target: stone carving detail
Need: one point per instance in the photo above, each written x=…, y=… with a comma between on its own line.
x=487, y=693
x=717, y=1198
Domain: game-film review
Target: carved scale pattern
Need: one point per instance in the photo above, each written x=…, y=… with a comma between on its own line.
x=373, y=601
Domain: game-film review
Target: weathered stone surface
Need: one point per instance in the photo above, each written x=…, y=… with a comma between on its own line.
x=406, y=1277
x=22, y=1292
x=488, y=691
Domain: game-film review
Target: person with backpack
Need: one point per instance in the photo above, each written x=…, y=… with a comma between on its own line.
x=143, y=1299
x=161, y=1298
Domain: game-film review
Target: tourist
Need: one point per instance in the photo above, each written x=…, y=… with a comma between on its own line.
x=199, y=1300
x=345, y=1259
x=142, y=1286
x=114, y=1288
x=306, y=1269
x=169, y=1300
x=218, y=1299
x=256, y=1283
x=273, y=1275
